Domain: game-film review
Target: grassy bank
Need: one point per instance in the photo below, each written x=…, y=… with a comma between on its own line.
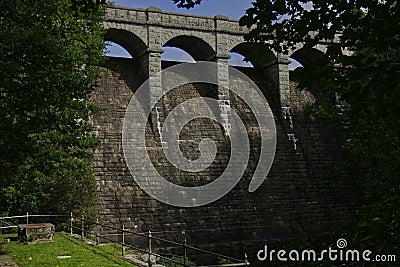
x=46, y=254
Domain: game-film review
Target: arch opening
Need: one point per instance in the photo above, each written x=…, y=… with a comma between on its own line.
x=307, y=57
x=256, y=56
x=115, y=50
x=197, y=48
x=238, y=60
x=134, y=46
x=176, y=55
x=294, y=64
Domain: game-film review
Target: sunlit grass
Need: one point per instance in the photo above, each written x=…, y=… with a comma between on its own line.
x=45, y=254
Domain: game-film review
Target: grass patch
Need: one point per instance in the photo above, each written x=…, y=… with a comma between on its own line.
x=46, y=254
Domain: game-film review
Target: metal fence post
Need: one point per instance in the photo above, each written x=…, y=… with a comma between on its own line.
x=95, y=232
x=149, y=261
x=70, y=223
x=27, y=222
x=82, y=227
x=245, y=259
x=123, y=240
x=184, y=248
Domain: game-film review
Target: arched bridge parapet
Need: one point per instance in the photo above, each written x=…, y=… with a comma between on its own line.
x=204, y=38
x=144, y=33
x=144, y=22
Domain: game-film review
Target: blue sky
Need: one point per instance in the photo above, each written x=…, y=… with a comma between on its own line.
x=231, y=8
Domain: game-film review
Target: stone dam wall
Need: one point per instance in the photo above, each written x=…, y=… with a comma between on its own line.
x=294, y=199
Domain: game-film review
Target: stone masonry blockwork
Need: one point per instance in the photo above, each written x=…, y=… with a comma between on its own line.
x=294, y=199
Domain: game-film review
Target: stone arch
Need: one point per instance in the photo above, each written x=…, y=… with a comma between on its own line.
x=199, y=49
x=303, y=85
x=307, y=56
x=128, y=40
x=246, y=49
x=265, y=72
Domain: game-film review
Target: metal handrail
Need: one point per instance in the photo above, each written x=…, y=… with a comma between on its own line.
x=164, y=240
x=123, y=232
x=132, y=247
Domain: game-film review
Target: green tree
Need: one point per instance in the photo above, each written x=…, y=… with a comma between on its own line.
x=187, y=3
x=48, y=56
x=362, y=65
